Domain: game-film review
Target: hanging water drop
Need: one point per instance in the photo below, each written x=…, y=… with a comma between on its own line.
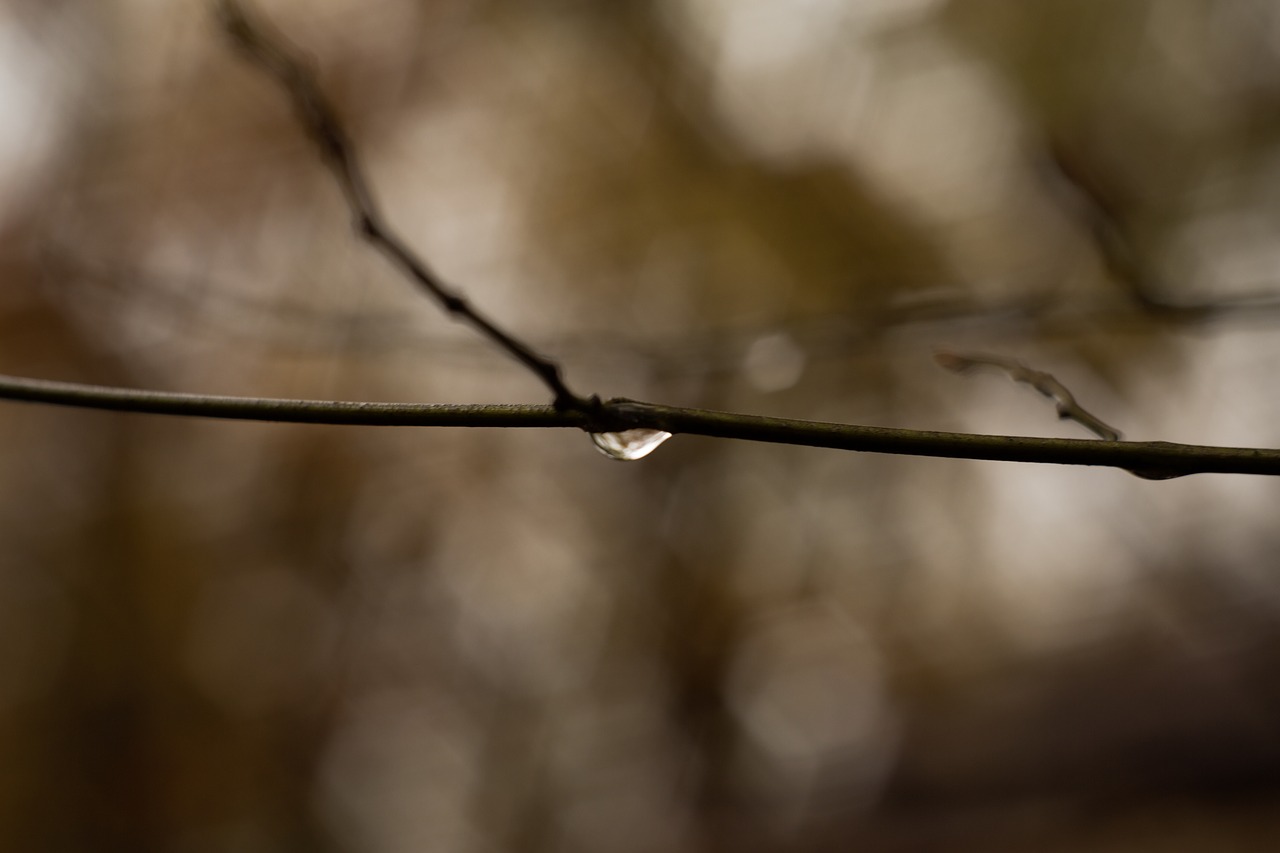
x=630, y=444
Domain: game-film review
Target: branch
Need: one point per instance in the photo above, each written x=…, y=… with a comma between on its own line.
x=1064, y=401
x=320, y=120
x=1152, y=460
x=1079, y=189
x=617, y=424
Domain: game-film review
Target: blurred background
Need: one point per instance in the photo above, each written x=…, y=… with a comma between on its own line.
x=252, y=637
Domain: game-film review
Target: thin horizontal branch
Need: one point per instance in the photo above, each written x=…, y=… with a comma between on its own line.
x=1154, y=460
x=272, y=409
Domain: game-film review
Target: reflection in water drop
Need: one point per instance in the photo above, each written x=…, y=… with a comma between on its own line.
x=630, y=444
x=1157, y=473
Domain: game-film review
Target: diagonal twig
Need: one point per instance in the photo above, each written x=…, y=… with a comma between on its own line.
x=1063, y=400
x=320, y=119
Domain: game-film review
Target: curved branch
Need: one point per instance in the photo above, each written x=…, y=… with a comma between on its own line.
x=1047, y=386
x=1152, y=460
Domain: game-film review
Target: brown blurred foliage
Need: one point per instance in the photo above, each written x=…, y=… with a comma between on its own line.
x=270, y=637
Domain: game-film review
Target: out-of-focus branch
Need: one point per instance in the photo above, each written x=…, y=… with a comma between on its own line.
x=1152, y=460
x=320, y=119
x=1063, y=400
x=1089, y=201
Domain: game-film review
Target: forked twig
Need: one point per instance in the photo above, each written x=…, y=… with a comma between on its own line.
x=1063, y=400
x=322, y=124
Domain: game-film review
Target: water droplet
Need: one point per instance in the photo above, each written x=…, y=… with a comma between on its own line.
x=630, y=444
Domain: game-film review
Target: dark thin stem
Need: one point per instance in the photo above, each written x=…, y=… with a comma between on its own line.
x=341, y=413
x=1153, y=460
x=321, y=122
